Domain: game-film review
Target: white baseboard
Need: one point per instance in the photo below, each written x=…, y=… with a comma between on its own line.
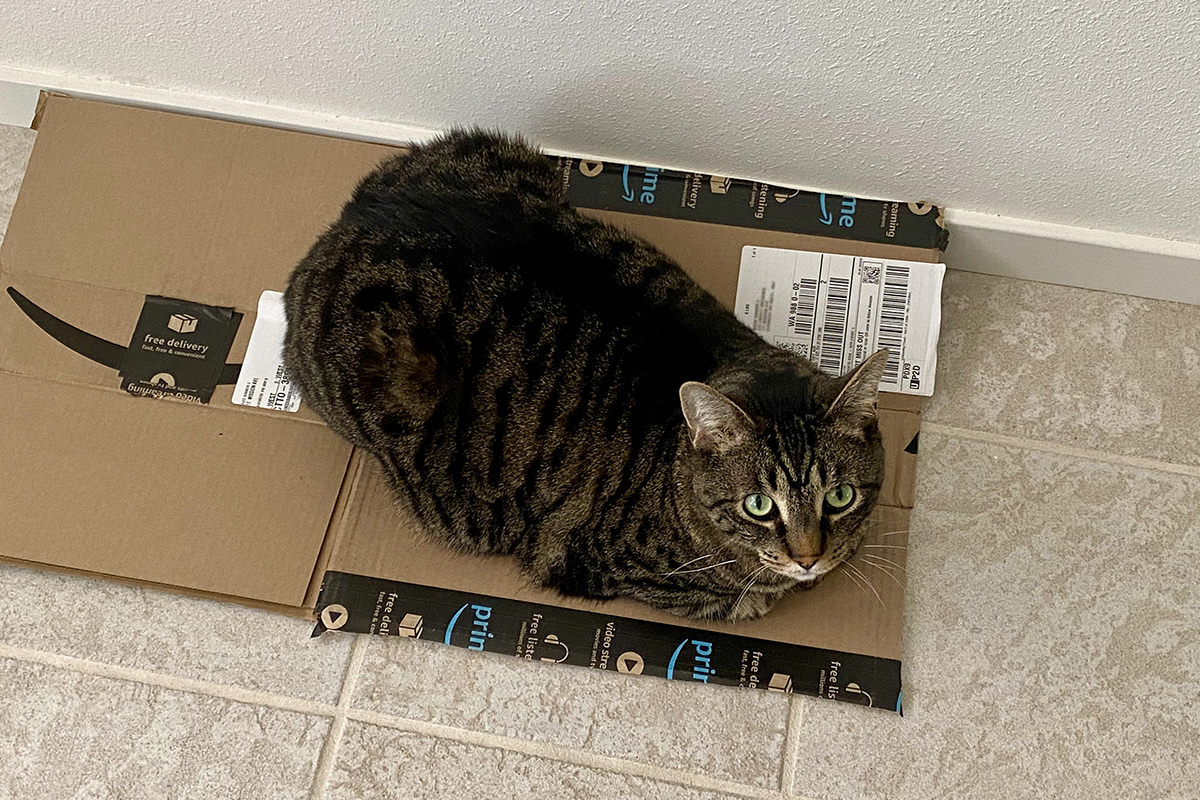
x=1071, y=256
x=219, y=107
x=17, y=104
x=1007, y=246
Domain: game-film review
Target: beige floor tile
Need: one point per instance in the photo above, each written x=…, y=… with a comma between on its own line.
x=68, y=735
x=380, y=762
x=1088, y=369
x=1052, y=645
x=153, y=630
x=720, y=731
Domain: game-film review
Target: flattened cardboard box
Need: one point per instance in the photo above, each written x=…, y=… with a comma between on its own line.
x=120, y=205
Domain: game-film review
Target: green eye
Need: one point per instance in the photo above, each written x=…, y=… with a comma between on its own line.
x=758, y=505
x=839, y=497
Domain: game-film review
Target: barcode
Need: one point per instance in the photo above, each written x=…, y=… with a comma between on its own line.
x=833, y=336
x=802, y=313
x=893, y=313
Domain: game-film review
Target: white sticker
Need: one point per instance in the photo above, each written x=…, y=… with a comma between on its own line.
x=836, y=310
x=263, y=382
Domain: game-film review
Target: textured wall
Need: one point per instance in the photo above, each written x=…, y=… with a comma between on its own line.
x=1083, y=112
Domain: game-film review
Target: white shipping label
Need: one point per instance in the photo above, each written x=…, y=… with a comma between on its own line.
x=263, y=382
x=836, y=310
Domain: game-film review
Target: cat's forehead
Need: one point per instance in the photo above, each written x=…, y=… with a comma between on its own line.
x=784, y=394
x=804, y=447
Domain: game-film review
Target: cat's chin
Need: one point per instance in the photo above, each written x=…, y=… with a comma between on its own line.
x=807, y=583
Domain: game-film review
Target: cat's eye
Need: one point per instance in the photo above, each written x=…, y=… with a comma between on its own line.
x=758, y=505
x=839, y=497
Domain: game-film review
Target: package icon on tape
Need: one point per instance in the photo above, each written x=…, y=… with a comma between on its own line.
x=182, y=323
x=412, y=625
x=780, y=683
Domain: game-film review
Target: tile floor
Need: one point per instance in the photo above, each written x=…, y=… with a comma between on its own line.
x=1052, y=628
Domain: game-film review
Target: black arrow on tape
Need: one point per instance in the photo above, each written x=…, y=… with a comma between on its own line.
x=102, y=351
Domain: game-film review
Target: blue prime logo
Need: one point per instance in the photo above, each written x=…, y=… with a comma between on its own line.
x=698, y=656
x=649, y=186
x=845, y=215
x=478, y=634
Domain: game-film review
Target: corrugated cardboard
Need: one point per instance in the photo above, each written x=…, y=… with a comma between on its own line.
x=837, y=615
x=119, y=203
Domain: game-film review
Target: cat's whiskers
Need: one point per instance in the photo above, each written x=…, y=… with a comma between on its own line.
x=678, y=571
x=887, y=561
x=856, y=581
x=888, y=546
x=728, y=545
x=870, y=585
x=754, y=574
x=873, y=525
x=750, y=580
x=885, y=571
x=684, y=564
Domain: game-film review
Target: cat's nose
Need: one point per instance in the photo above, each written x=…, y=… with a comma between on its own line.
x=807, y=561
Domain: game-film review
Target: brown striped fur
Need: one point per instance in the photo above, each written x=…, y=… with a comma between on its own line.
x=518, y=369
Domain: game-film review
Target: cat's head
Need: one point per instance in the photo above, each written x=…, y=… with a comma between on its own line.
x=787, y=464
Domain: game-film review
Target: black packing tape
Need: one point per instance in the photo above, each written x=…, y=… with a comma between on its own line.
x=700, y=197
x=359, y=604
x=102, y=351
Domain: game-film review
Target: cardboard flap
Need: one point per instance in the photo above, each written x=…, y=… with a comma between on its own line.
x=119, y=203
x=899, y=431
x=160, y=203
x=381, y=540
x=165, y=492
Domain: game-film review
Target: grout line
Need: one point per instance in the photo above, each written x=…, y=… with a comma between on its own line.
x=564, y=754
x=333, y=739
x=1062, y=449
x=791, y=743
x=176, y=683
x=344, y=711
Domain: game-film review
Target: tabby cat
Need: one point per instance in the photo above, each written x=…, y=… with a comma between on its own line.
x=540, y=384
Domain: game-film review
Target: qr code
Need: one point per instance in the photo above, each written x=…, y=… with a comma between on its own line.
x=799, y=348
x=869, y=271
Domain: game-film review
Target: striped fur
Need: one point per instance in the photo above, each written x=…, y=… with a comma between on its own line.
x=517, y=367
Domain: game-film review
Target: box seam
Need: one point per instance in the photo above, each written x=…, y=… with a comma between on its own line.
x=172, y=588
x=337, y=524
x=233, y=408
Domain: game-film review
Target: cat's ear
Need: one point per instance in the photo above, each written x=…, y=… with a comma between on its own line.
x=715, y=422
x=857, y=393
